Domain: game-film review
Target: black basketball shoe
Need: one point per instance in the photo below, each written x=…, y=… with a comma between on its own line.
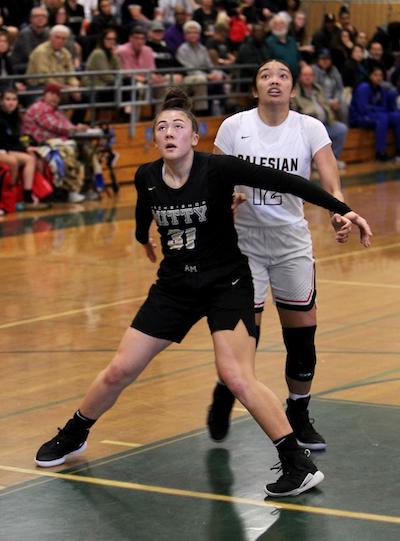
x=69, y=442
x=299, y=473
x=219, y=412
x=306, y=435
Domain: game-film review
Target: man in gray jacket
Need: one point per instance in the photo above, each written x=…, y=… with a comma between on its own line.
x=327, y=76
x=36, y=33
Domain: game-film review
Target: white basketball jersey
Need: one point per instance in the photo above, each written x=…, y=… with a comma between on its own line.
x=289, y=147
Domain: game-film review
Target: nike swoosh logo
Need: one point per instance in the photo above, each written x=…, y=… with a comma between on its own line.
x=152, y=188
x=245, y=136
x=235, y=281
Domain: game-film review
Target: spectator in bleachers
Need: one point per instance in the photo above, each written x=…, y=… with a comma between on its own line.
x=250, y=12
x=362, y=40
x=163, y=56
x=344, y=22
x=254, y=50
x=354, y=71
x=342, y=49
x=43, y=121
x=76, y=17
x=238, y=27
x=90, y=8
x=136, y=13
x=13, y=153
x=136, y=55
x=71, y=44
x=51, y=6
x=298, y=30
x=218, y=47
x=373, y=106
x=174, y=34
x=206, y=16
x=395, y=80
x=12, y=31
x=29, y=37
x=52, y=57
x=103, y=19
x=310, y=100
x=167, y=9
x=193, y=55
x=16, y=12
x=328, y=35
x=6, y=65
x=281, y=45
x=328, y=78
x=104, y=58
x=377, y=57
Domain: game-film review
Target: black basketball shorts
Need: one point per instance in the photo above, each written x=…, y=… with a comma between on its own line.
x=169, y=313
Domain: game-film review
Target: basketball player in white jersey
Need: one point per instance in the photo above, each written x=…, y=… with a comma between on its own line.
x=274, y=234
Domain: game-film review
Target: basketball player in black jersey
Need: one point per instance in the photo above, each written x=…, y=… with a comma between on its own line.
x=203, y=273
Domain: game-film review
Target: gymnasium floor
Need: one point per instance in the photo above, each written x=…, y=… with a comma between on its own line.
x=71, y=280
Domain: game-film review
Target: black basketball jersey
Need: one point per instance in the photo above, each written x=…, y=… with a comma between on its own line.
x=195, y=221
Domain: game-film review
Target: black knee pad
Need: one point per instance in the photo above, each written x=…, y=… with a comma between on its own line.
x=300, y=347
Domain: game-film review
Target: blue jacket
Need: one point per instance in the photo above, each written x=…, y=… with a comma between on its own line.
x=367, y=101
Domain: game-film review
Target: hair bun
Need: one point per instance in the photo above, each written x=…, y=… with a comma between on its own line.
x=176, y=98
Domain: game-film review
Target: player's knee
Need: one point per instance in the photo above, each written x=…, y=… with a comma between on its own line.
x=300, y=347
x=116, y=375
x=238, y=386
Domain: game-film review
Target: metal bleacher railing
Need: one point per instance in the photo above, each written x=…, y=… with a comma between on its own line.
x=128, y=94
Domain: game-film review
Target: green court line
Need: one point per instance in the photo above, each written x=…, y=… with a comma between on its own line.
x=126, y=485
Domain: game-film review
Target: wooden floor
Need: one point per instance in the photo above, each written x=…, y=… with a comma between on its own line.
x=72, y=279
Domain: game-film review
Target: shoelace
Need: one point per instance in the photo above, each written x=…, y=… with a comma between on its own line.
x=278, y=467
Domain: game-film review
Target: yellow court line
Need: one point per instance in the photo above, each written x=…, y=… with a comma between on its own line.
x=363, y=251
x=70, y=312
x=122, y=443
x=207, y=496
x=367, y=284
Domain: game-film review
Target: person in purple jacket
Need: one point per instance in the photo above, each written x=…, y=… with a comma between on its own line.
x=373, y=105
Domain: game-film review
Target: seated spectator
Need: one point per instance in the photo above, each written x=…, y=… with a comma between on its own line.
x=71, y=44
x=12, y=31
x=6, y=65
x=103, y=58
x=174, y=35
x=373, y=106
x=51, y=7
x=75, y=16
x=30, y=37
x=135, y=55
x=90, y=8
x=281, y=45
x=194, y=56
x=354, y=71
x=395, y=80
x=377, y=57
x=218, y=47
x=344, y=22
x=250, y=12
x=43, y=121
x=254, y=50
x=52, y=57
x=163, y=56
x=328, y=35
x=342, y=49
x=238, y=28
x=328, y=78
x=103, y=19
x=167, y=9
x=310, y=100
x=137, y=13
x=362, y=40
x=13, y=153
x=291, y=7
x=206, y=16
x=297, y=29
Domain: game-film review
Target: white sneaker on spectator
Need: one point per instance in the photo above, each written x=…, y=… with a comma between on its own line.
x=75, y=197
x=341, y=165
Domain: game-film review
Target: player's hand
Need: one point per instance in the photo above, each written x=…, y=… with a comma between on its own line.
x=363, y=226
x=342, y=226
x=237, y=199
x=150, y=249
